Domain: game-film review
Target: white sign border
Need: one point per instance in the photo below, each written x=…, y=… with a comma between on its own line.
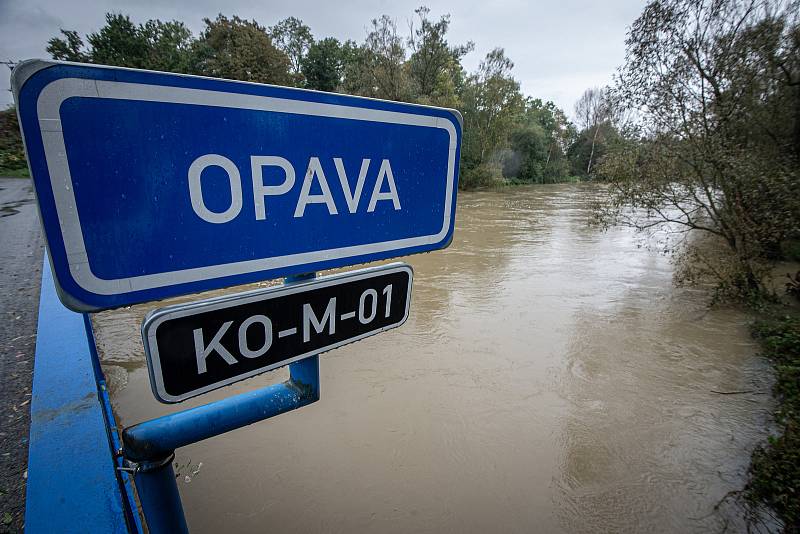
x=48, y=110
x=155, y=318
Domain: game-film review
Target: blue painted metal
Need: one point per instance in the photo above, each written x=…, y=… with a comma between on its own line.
x=124, y=479
x=157, y=438
x=111, y=149
x=150, y=446
x=161, y=501
x=305, y=374
x=72, y=480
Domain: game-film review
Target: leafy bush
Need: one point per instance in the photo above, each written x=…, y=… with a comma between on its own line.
x=12, y=154
x=775, y=467
x=480, y=176
x=705, y=259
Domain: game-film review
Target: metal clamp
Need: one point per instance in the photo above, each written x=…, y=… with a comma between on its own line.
x=142, y=467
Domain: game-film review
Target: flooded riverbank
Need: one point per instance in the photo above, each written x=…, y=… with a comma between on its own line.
x=550, y=378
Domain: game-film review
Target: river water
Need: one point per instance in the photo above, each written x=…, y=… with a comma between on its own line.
x=550, y=378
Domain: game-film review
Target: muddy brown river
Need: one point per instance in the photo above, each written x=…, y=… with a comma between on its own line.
x=550, y=378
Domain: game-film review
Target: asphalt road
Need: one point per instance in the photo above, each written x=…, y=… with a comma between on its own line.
x=21, y=248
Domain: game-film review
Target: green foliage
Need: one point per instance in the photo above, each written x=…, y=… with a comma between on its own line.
x=12, y=154
x=528, y=153
x=119, y=42
x=15, y=173
x=70, y=48
x=434, y=66
x=227, y=48
x=295, y=39
x=357, y=80
x=492, y=106
x=323, y=66
x=240, y=49
x=169, y=46
x=598, y=119
x=590, y=148
x=775, y=468
x=537, y=146
x=385, y=61
x=156, y=45
x=480, y=176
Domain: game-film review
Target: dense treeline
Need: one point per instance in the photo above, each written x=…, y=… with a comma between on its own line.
x=508, y=137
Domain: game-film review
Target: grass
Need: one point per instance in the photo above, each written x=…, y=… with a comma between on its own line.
x=14, y=173
x=775, y=466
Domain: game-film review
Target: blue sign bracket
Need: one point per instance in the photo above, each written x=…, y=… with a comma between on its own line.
x=149, y=447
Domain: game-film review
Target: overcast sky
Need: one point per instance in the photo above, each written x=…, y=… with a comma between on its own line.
x=559, y=48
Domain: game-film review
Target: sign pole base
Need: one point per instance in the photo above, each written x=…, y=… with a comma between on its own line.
x=159, y=496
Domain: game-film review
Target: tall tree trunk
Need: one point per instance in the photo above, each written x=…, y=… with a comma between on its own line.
x=797, y=119
x=591, y=154
x=547, y=163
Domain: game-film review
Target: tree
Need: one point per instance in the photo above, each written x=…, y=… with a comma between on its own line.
x=295, y=39
x=421, y=67
x=560, y=134
x=357, y=77
x=434, y=66
x=384, y=61
x=592, y=111
x=492, y=106
x=591, y=146
x=70, y=48
x=528, y=154
x=323, y=65
x=712, y=84
x=538, y=143
x=119, y=43
x=169, y=46
x=240, y=50
x=155, y=45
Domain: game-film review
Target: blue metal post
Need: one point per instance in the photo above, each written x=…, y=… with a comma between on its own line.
x=158, y=494
x=149, y=447
x=305, y=371
x=72, y=484
x=158, y=438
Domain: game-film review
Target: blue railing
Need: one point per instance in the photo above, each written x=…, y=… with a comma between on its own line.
x=79, y=470
x=73, y=482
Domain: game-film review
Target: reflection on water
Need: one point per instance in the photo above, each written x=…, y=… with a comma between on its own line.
x=549, y=379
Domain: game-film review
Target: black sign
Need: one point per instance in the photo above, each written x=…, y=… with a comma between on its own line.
x=195, y=348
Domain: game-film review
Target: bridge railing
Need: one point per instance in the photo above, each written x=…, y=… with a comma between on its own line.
x=73, y=482
x=80, y=471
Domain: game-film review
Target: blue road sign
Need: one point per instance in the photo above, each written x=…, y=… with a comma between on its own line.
x=152, y=185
